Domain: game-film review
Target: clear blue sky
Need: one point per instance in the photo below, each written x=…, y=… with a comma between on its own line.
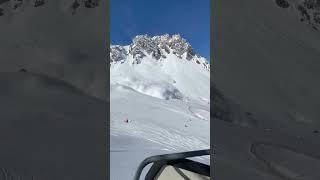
x=189, y=18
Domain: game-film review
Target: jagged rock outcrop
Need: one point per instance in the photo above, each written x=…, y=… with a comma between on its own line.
x=158, y=47
x=118, y=53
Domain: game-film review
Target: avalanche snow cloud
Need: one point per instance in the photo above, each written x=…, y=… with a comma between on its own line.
x=162, y=87
x=161, y=66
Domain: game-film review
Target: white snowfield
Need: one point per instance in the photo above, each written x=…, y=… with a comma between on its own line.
x=166, y=102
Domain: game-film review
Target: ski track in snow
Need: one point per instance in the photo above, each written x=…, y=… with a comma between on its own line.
x=200, y=112
x=171, y=125
x=171, y=139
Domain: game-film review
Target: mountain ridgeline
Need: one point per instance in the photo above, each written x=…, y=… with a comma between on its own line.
x=158, y=48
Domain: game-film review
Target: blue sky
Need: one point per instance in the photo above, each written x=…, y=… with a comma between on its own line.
x=189, y=18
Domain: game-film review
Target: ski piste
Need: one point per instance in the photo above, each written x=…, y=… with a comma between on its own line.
x=159, y=100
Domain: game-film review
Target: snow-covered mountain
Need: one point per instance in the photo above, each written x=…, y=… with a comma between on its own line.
x=163, y=88
x=158, y=47
x=161, y=66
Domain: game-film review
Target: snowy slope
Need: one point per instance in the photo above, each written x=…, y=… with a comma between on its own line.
x=165, y=98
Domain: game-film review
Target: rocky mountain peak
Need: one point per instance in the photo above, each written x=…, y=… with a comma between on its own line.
x=157, y=46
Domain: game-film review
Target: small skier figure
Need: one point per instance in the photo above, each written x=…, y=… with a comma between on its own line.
x=126, y=121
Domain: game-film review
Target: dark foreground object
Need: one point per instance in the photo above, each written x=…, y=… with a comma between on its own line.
x=176, y=160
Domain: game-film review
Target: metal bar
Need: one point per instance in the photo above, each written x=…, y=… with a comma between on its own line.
x=169, y=157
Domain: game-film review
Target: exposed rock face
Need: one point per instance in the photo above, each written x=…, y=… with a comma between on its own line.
x=158, y=47
x=180, y=46
x=118, y=53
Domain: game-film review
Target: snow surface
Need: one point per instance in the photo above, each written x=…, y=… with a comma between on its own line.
x=166, y=103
